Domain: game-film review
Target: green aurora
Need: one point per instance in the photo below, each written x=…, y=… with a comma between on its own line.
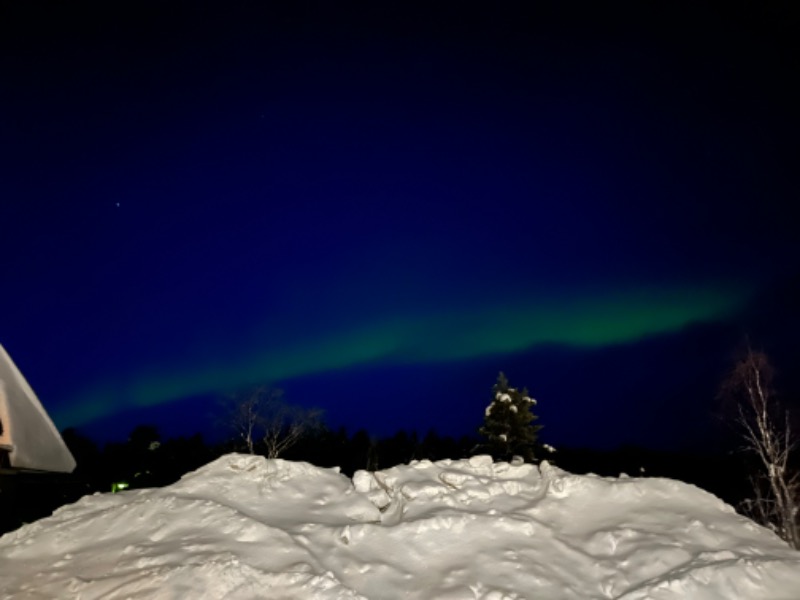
x=591, y=320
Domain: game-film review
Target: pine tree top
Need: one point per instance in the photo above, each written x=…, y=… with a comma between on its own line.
x=508, y=421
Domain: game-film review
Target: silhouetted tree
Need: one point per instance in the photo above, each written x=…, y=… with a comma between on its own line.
x=399, y=449
x=144, y=438
x=178, y=456
x=364, y=451
x=83, y=449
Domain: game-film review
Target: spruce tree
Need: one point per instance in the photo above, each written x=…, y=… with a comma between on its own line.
x=508, y=423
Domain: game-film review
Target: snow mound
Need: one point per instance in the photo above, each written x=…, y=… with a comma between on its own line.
x=247, y=527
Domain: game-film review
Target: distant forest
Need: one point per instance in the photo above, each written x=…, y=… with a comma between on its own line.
x=147, y=460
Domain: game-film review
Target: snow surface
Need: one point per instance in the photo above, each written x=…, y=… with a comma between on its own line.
x=247, y=527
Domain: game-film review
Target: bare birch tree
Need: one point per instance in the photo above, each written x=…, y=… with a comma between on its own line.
x=262, y=415
x=285, y=424
x=765, y=427
x=245, y=415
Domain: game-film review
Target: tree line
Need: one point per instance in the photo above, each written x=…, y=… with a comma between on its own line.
x=261, y=421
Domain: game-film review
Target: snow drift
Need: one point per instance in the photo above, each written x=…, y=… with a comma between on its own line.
x=247, y=527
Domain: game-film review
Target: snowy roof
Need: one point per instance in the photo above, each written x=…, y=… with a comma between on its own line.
x=26, y=431
x=247, y=527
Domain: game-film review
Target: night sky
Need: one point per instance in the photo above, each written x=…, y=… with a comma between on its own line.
x=378, y=207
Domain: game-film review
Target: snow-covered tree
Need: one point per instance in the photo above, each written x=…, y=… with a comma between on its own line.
x=508, y=422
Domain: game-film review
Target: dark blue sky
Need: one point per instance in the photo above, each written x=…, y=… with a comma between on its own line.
x=379, y=207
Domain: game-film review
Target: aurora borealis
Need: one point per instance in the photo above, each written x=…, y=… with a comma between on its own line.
x=593, y=322
x=202, y=198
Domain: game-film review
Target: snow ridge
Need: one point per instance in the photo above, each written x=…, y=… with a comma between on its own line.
x=247, y=527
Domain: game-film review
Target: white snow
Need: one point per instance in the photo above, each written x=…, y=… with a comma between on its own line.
x=247, y=527
x=27, y=433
